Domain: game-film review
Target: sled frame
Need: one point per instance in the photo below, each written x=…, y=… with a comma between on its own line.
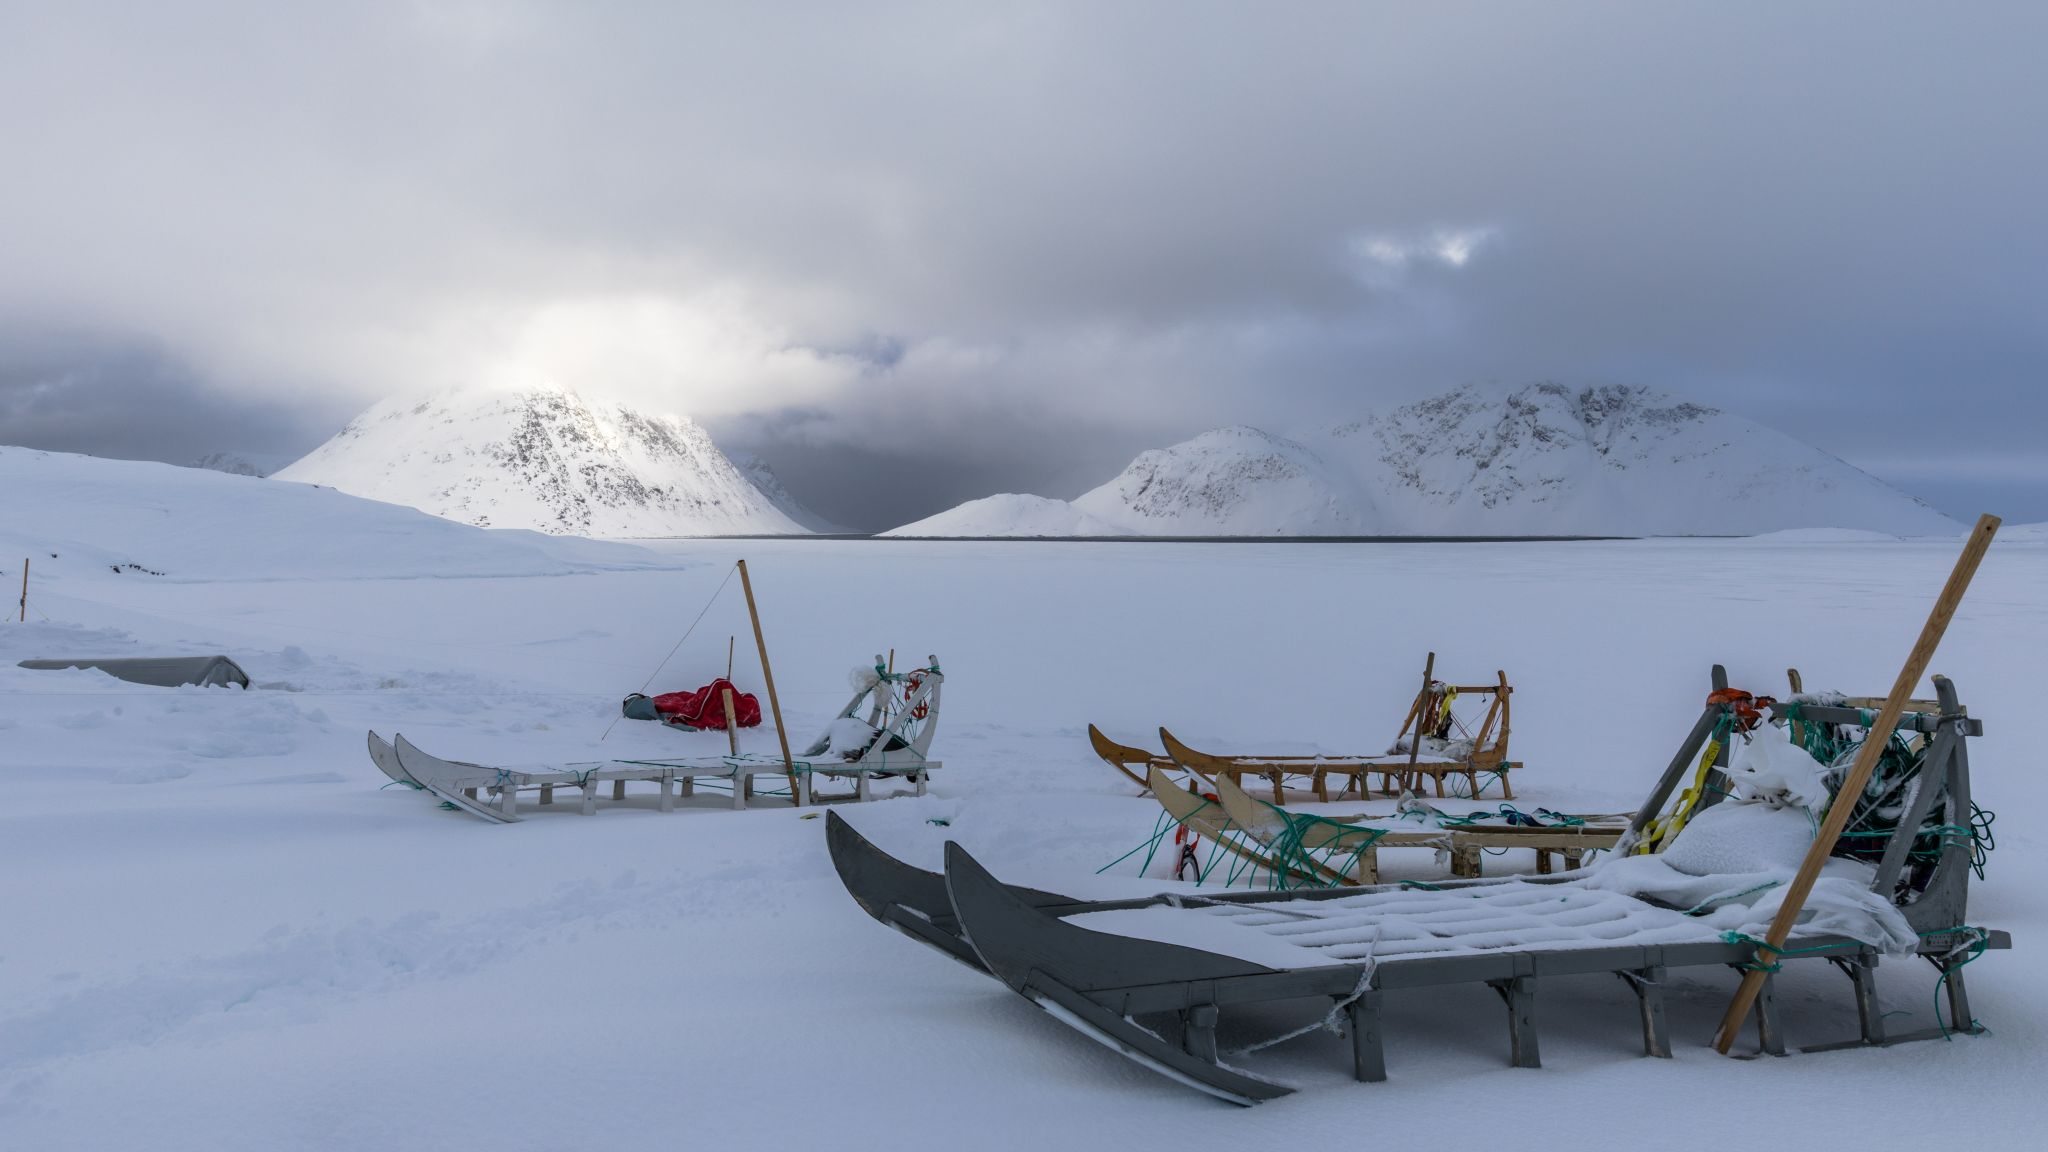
x=1398, y=772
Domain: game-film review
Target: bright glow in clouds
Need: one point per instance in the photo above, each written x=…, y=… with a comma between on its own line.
x=705, y=356
x=1449, y=247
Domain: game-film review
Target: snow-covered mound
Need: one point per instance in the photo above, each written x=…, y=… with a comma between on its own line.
x=1010, y=514
x=1232, y=482
x=2024, y=531
x=546, y=459
x=1535, y=460
x=764, y=478
x=82, y=518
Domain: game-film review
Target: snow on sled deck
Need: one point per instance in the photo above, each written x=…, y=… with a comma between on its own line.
x=1179, y=959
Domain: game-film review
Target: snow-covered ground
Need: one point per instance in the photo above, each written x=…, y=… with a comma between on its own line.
x=218, y=931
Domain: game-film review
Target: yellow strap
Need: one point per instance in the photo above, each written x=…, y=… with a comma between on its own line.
x=1666, y=828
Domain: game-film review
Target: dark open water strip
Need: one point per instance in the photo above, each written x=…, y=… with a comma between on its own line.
x=1160, y=539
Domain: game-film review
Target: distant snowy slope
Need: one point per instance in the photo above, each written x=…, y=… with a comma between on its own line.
x=764, y=478
x=241, y=463
x=1010, y=514
x=92, y=519
x=1614, y=459
x=546, y=459
x=1232, y=482
x=1534, y=460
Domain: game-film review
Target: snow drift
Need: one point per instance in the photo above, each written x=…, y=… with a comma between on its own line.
x=86, y=518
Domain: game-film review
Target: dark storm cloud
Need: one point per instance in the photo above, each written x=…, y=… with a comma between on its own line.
x=998, y=243
x=79, y=393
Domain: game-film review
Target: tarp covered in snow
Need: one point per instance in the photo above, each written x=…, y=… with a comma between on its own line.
x=162, y=671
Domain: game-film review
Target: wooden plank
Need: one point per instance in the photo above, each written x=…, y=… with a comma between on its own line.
x=1859, y=775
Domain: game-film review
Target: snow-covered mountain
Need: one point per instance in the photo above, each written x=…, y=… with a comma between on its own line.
x=1232, y=482
x=241, y=463
x=764, y=478
x=1535, y=459
x=547, y=459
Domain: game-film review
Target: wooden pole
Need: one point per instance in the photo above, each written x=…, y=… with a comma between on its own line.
x=24, y=589
x=728, y=655
x=1859, y=775
x=732, y=723
x=768, y=677
x=1409, y=780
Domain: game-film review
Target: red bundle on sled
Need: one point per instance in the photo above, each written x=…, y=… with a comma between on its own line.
x=704, y=708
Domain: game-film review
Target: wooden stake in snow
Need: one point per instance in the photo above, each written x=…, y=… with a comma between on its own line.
x=24, y=589
x=768, y=678
x=1859, y=775
x=732, y=723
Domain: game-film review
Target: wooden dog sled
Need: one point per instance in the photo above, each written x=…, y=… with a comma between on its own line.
x=1094, y=968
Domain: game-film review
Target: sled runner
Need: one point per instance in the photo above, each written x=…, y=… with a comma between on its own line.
x=1135, y=763
x=1149, y=977
x=385, y=757
x=890, y=741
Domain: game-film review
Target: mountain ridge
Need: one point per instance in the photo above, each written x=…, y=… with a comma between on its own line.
x=1538, y=459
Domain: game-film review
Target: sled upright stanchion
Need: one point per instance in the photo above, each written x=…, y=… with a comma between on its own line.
x=1859, y=775
x=768, y=678
x=1410, y=779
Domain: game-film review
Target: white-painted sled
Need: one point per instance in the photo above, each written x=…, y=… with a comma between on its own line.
x=884, y=732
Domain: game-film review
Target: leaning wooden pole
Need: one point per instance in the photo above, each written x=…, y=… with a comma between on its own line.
x=1410, y=781
x=768, y=677
x=24, y=589
x=1859, y=775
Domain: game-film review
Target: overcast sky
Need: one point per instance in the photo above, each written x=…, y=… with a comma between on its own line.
x=917, y=254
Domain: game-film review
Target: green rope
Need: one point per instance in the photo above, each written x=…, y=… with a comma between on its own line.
x=1160, y=827
x=1980, y=943
x=1758, y=965
x=1296, y=865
